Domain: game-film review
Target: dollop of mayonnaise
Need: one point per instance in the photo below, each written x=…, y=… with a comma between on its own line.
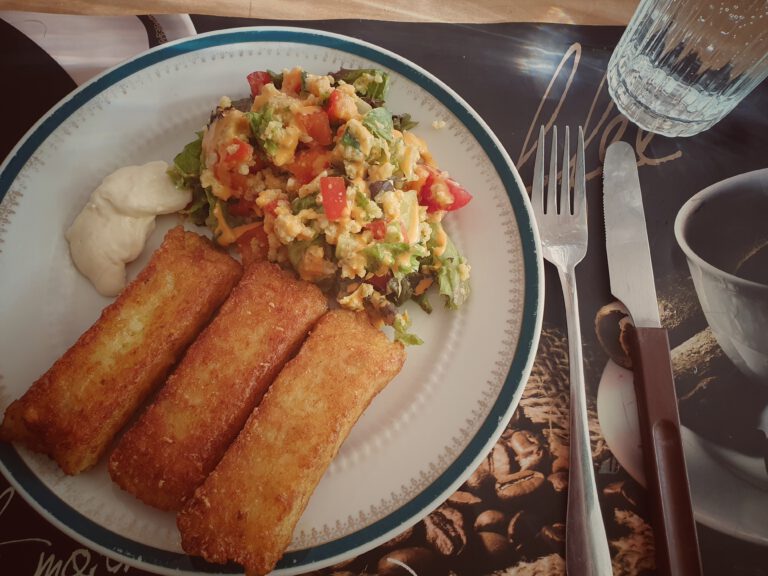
x=113, y=227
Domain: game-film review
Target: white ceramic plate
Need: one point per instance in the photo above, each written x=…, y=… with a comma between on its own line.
x=725, y=499
x=419, y=439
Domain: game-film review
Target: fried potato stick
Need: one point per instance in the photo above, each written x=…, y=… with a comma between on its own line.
x=75, y=409
x=198, y=413
x=248, y=507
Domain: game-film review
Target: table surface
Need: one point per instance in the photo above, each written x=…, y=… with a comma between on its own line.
x=608, y=12
x=547, y=73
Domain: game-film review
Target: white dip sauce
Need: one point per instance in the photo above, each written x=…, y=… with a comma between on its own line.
x=114, y=226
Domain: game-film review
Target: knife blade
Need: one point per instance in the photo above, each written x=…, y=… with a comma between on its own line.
x=631, y=277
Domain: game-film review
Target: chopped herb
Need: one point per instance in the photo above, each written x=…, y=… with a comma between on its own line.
x=349, y=140
x=277, y=78
x=403, y=122
x=423, y=301
x=299, y=204
x=399, y=290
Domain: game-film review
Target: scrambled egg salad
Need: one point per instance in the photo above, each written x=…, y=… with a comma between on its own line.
x=332, y=184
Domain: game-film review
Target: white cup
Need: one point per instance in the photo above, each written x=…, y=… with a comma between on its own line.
x=723, y=231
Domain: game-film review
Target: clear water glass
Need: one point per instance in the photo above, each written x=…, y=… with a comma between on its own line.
x=682, y=65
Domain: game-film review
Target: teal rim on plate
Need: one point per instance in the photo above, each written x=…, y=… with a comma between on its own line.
x=103, y=539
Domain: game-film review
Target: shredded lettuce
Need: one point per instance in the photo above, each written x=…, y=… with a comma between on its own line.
x=384, y=253
x=372, y=210
x=256, y=120
x=296, y=252
x=453, y=282
x=259, y=122
x=401, y=325
x=379, y=122
x=186, y=164
x=299, y=204
x=185, y=173
x=369, y=83
x=453, y=287
x=200, y=210
x=389, y=255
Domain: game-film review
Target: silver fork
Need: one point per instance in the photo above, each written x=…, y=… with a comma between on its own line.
x=564, y=244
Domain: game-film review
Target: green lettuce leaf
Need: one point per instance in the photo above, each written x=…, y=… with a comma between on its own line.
x=453, y=288
x=384, y=253
x=185, y=173
x=379, y=122
x=372, y=209
x=186, y=164
x=200, y=210
x=259, y=122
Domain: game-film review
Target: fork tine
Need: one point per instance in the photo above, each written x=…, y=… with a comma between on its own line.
x=580, y=184
x=565, y=183
x=552, y=184
x=537, y=190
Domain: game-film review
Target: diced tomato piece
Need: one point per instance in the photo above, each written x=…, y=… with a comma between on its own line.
x=333, y=191
x=379, y=282
x=292, y=82
x=461, y=196
x=257, y=80
x=309, y=163
x=340, y=107
x=378, y=229
x=257, y=164
x=235, y=152
x=426, y=198
x=333, y=105
x=253, y=245
x=271, y=208
x=240, y=207
x=422, y=172
x=317, y=126
x=233, y=180
x=429, y=198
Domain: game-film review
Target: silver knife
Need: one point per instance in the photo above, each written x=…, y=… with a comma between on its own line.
x=631, y=275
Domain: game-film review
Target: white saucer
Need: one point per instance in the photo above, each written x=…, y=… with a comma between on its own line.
x=87, y=45
x=733, y=504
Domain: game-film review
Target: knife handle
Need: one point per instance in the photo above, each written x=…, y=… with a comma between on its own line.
x=677, y=549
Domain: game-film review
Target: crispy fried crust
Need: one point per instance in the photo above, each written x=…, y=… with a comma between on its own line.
x=225, y=373
x=75, y=409
x=247, y=509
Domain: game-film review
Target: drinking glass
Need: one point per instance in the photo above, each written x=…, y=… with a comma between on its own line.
x=682, y=65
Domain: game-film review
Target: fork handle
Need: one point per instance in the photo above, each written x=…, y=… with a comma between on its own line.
x=586, y=544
